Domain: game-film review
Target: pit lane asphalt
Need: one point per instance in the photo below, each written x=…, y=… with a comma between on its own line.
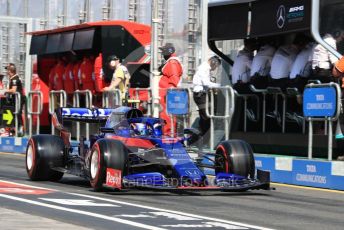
x=288, y=207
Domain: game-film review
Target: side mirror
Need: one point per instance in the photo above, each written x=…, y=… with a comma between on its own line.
x=193, y=136
x=106, y=130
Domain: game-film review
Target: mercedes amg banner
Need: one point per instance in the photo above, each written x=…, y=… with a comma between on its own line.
x=270, y=17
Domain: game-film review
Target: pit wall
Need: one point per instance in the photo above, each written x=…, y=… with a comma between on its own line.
x=288, y=170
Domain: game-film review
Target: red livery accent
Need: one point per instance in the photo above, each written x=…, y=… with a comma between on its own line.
x=114, y=178
x=225, y=158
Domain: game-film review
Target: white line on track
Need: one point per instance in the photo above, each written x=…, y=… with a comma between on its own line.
x=118, y=202
x=170, y=211
x=115, y=219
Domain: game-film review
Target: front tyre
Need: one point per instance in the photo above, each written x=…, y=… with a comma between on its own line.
x=235, y=156
x=105, y=154
x=43, y=153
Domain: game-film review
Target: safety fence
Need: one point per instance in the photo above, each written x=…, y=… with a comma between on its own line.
x=34, y=110
x=17, y=100
x=229, y=105
x=57, y=98
x=177, y=107
x=87, y=95
x=111, y=98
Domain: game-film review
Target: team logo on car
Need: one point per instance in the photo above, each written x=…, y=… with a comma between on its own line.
x=281, y=16
x=114, y=178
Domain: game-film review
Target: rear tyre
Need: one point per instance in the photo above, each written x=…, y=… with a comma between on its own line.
x=105, y=154
x=235, y=156
x=43, y=153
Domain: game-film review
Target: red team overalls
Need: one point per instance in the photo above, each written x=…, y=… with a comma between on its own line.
x=58, y=76
x=98, y=73
x=52, y=77
x=171, y=76
x=68, y=79
x=76, y=75
x=87, y=74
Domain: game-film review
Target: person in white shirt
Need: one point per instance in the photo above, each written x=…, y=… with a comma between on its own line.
x=283, y=60
x=322, y=59
x=204, y=78
x=301, y=68
x=261, y=63
x=242, y=66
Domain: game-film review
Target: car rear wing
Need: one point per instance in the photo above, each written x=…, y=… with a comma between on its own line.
x=83, y=114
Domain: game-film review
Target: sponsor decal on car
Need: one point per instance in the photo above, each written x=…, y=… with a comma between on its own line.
x=114, y=178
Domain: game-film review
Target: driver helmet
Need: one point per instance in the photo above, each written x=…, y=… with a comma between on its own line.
x=157, y=129
x=139, y=128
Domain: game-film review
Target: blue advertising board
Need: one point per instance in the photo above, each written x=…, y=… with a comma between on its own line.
x=177, y=102
x=320, y=102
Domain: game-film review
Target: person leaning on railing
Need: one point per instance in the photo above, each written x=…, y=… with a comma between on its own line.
x=120, y=78
x=202, y=81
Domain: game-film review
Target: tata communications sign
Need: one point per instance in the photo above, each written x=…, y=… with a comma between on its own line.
x=280, y=16
x=320, y=102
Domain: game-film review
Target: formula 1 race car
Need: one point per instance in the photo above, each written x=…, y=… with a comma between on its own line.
x=130, y=150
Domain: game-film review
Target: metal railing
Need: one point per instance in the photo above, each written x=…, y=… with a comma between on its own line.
x=111, y=98
x=277, y=92
x=59, y=95
x=136, y=96
x=88, y=104
x=263, y=92
x=17, y=99
x=31, y=96
x=246, y=97
x=229, y=110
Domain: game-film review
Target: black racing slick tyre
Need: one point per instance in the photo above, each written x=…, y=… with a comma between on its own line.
x=106, y=153
x=43, y=153
x=235, y=156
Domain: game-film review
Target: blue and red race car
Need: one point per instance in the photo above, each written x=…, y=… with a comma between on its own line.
x=130, y=151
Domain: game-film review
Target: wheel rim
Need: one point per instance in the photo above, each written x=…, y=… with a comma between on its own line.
x=221, y=160
x=29, y=157
x=94, y=164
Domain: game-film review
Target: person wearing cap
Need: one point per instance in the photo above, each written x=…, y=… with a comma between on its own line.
x=171, y=74
x=204, y=78
x=15, y=85
x=120, y=77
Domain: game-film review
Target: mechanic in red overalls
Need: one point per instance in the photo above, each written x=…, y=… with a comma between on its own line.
x=76, y=74
x=68, y=77
x=171, y=73
x=87, y=73
x=52, y=77
x=59, y=72
x=99, y=74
